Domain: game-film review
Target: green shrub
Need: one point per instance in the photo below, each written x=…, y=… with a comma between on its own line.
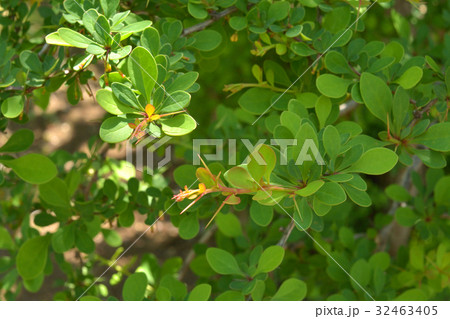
x=334, y=182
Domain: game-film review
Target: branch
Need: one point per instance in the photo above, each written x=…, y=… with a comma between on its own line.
x=392, y=232
x=214, y=17
x=44, y=49
x=286, y=234
x=203, y=240
x=348, y=107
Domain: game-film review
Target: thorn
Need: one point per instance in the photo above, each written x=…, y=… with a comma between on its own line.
x=218, y=210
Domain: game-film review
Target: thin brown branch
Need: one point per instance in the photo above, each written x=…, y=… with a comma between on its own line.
x=394, y=234
x=203, y=240
x=287, y=232
x=207, y=23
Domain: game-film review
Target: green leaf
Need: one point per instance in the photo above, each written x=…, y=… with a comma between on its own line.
x=332, y=141
x=270, y=259
x=134, y=287
x=89, y=19
x=150, y=40
x=238, y=23
x=376, y=161
x=294, y=31
x=393, y=49
x=19, y=141
x=278, y=11
x=176, y=101
x=337, y=19
x=222, y=262
x=200, y=293
x=55, y=193
x=109, y=7
x=291, y=289
x=33, y=285
x=110, y=103
x=74, y=38
x=302, y=49
x=414, y=294
x=12, y=107
x=32, y=257
x=182, y=82
x=268, y=155
x=381, y=64
x=239, y=177
x=6, y=242
x=112, y=238
x=197, y=10
x=437, y=137
x=400, y=109
x=381, y=260
x=332, y=86
x=229, y=225
x=311, y=188
x=95, y=49
x=442, y=191
x=207, y=40
x=405, y=216
x=73, y=7
x=102, y=30
x=256, y=100
x=410, y=77
x=416, y=254
x=32, y=168
x=30, y=61
x=357, y=196
x=447, y=79
x=337, y=63
x=135, y=27
x=189, y=226
x=361, y=273
x=376, y=95
x=262, y=215
x=320, y=208
x=230, y=295
x=262, y=162
x=143, y=71
x=120, y=53
x=184, y=175
x=430, y=158
x=115, y=129
x=397, y=193
x=84, y=241
x=323, y=109
x=64, y=238
x=303, y=216
x=331, y=193
x=55, y=39
x=178, y=125
x=125, y=95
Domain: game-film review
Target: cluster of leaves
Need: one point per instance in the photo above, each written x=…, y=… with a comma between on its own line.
x=311, y=60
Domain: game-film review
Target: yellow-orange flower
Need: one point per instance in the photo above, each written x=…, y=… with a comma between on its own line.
x=190, y=193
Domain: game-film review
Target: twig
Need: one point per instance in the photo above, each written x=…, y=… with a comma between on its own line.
x=214, y=18
x=203, y=240
x=348, y=107
x=44, y=49
x=286, y=234
x=387, y=234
